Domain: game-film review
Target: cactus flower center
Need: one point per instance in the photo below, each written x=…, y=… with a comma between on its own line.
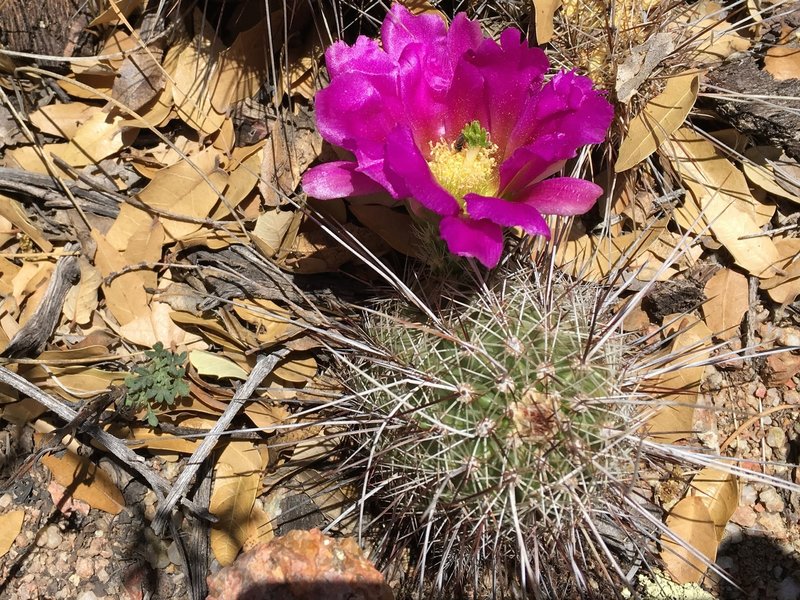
x=467, y=165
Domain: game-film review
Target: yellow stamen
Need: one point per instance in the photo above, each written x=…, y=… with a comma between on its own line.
x=473, y=170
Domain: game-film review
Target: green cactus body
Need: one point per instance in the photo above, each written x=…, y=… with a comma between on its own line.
x=492, y=422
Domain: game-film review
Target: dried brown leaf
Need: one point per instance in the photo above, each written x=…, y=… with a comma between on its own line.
x=719, y=491
x=190, y=64
x=63, y=120
x=676, y=390
x=593, y=257
x=783, y=61
x=784, y=288
x=111, y=15
x=187, y=188
x=140, y=78
x=287, y=154
x=691, y=522
x=722, y=193
x=660, y=117
x=86, y=482
x=12, y=210
x=728, y=300
x=236, y=484
x=10, y=526
x=125, y=295
x=240, y=70
x=297, y=370
x=760, y=169
x=544, y=11
x=395, y=227
x=81, y=300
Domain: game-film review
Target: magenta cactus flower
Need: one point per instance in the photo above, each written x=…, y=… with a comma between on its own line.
x=459, y=124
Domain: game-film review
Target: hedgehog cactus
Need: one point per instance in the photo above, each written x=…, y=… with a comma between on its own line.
x=498, y=429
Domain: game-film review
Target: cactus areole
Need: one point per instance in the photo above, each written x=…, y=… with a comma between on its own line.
x=459, y=124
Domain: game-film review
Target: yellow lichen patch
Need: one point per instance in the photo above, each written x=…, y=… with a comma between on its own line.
x=471, y=170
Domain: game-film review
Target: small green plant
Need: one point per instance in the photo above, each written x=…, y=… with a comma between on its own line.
x=160, y=381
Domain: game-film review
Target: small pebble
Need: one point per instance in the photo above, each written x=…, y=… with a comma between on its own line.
x=52, y=537
x=744, y=516
x=776, y=437
x=174, y=554
x=748, y=496
x=773, y=524
x=5, y=500
x=789, y=336
x=84, y=568
x=791, y=397
x=771, y=500
x=87, y=596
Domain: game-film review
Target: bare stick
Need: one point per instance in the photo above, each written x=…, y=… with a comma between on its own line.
x=114, y=445
x=31, y=339
x=263, y=367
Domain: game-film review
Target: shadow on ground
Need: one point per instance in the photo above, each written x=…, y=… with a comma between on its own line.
x=761, y=567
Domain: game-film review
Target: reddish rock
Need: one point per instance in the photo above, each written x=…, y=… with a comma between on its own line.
x=301, y=565
x=781, y=368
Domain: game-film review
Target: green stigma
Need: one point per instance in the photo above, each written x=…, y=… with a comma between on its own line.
x=475, y=136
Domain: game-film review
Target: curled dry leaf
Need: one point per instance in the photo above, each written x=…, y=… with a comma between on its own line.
x=728, y=300
x=288, y=153
x=140, y=78
x=63, y=120
x=237, y=480
x=660, y=117
x=711, y=37
x=544, y=11
x=11, y=210
x=276, y=230
x=676, y=389
x=297, y=370
x=187, y=188
x=214, y=365
x=81, y=300
x=724, y=199
x=784, y=288
x=594, y=257
x=690, y=521
x=641, y=62
x=719, y=491
x=86, y=482
x=760, y=169
x=10, y=526
x=783, y=60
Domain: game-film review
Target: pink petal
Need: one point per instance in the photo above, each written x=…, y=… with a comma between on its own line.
x=365, y=57
x=400, y=29
x=566, y=105
x=409, y=174
x=423, y=88
x=463, y=35
x=506, y=213
x=562, y=196
x=479, y=239
x=358, y=113
x=565, y=115
x=338, y=179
